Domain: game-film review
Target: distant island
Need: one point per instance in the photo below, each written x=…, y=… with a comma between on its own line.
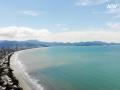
x=36, y=44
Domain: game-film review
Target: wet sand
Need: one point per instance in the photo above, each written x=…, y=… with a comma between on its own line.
x=18, y=72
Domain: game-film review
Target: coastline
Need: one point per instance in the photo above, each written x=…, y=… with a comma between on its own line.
x=19, y=71
x=7, y=79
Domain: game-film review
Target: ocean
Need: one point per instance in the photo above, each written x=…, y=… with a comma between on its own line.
x=72, y=67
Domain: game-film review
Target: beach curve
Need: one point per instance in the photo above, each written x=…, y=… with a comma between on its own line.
x=25, y=81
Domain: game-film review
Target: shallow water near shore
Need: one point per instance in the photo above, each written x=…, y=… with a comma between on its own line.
x=73, y=68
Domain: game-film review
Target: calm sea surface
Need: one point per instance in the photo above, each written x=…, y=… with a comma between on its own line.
x=75, y=67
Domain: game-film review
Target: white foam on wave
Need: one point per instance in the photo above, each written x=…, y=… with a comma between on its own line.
x=19, y=65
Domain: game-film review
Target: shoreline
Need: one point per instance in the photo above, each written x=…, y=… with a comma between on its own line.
x=25, y=81
x=18, y=73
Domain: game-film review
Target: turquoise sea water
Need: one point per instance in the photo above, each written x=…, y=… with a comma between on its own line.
x=75, y=67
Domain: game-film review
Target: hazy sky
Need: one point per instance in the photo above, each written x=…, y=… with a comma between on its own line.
x=60, y=20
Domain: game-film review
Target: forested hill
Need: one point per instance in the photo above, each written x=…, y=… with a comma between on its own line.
x=35, y=43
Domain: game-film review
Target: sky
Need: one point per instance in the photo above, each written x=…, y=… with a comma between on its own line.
x=60, y=20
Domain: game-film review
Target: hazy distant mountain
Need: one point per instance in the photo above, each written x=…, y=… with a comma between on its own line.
x=94, y=43
x=21, y=44
x=35, y=43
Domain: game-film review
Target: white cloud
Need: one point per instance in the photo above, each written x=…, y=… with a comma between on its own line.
x=31, y=13
x=114, y=25
x=108, y=36
x=117, y=16
x=90, y=2
x=25, y=33
x=60, y=25
x=113, y=11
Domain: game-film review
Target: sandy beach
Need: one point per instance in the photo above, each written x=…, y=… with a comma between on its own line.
x=18, y=73
x=25, y=81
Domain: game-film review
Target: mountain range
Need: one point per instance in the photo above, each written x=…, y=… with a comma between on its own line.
x=35, y=44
